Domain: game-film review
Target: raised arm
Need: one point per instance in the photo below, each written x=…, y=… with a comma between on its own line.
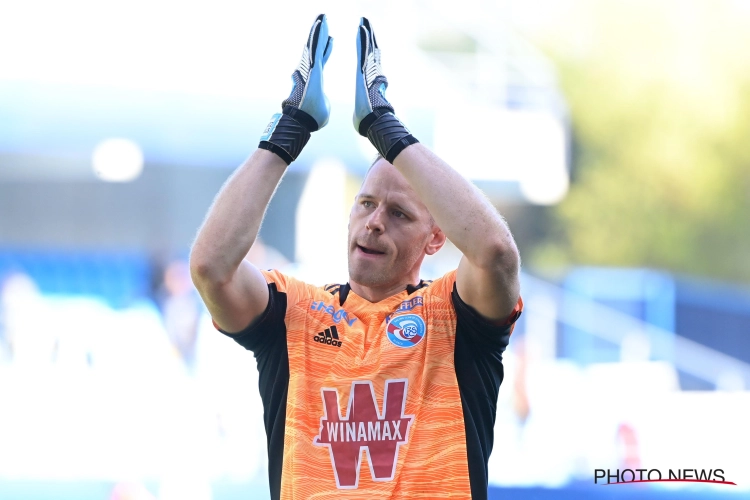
x=487, y=277
x=234, y=290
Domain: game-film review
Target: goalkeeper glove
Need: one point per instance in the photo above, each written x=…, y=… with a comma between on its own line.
x=373, y=114
x=307, y=108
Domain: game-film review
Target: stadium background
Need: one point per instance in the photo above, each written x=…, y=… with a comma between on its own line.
x=611, y=134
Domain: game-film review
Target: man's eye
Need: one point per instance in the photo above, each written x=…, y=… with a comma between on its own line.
x=367, y=204
x=399, y=214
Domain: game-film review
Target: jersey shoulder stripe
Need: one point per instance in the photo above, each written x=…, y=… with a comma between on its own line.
x=441, y=287
x=296, y=291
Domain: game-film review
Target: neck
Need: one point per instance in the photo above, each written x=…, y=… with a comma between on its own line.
x=376, y=294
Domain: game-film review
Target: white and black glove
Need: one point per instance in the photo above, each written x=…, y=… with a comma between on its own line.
x=374, y=117
x=307, y=108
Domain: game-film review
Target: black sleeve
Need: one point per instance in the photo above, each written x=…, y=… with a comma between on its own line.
x=255, y=336
x=478, y=359
x=266, y=338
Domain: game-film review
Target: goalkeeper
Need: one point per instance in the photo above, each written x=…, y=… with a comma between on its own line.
x=384, y=386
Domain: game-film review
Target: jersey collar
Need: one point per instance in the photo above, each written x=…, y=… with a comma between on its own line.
x=410, y=289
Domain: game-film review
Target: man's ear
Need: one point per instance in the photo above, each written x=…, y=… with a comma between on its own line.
x=436, y=243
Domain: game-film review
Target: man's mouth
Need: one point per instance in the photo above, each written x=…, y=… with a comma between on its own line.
x=370, y=251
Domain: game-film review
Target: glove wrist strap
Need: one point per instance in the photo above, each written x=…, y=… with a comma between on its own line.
x=386, y=133
x=287, y=133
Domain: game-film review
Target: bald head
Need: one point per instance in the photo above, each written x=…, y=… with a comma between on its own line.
x=390, y=230
x=390, y=170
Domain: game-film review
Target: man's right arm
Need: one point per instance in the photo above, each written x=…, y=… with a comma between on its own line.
x=235, y=291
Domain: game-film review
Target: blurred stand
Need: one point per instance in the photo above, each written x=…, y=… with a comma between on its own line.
x=180, y=308
x=264, y=256
x=131, y=491
x=26, y=339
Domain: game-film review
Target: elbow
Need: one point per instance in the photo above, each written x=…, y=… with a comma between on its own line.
x=200, y=270
x=205, y=271
x=502, y=257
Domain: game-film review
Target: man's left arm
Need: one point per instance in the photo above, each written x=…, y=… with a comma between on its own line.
x=487, y=277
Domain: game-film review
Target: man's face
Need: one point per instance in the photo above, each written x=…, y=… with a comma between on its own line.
x=390, y=230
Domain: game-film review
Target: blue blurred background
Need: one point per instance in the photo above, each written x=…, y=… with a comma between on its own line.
x=611, y=134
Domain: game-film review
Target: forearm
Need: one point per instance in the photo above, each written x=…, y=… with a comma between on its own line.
x=464, y=214
x=234, y=219
x=233, y=222
x=466, y=217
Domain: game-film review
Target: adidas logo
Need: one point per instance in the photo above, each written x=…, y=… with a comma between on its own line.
x=330, y=337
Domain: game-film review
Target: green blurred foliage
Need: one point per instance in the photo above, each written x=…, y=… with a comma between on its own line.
x=659, y=96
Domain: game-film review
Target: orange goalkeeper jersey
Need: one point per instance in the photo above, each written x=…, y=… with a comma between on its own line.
x=387, y=400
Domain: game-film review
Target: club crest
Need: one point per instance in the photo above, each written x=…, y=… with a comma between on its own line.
x=406, y=331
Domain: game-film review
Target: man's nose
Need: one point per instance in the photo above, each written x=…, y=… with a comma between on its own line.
x=375, y=222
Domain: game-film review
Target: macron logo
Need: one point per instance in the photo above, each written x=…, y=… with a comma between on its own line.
x=364, y=427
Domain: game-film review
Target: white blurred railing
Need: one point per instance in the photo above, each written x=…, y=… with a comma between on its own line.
x=614, y=326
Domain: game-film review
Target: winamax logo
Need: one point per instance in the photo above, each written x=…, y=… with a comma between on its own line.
x=380, y=434
x=627, y=476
